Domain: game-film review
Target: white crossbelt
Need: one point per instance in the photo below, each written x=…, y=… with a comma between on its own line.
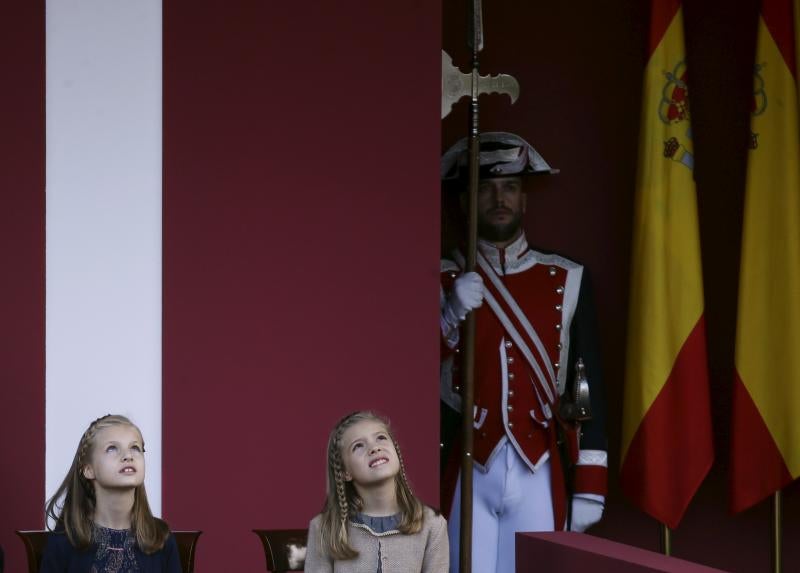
x=547, y=383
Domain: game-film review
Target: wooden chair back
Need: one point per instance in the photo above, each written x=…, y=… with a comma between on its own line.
x=36, y=540
x=285, y=549
x=187, y=545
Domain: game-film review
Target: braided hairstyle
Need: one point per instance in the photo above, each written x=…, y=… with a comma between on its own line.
x=73, y=505
x=342, y=500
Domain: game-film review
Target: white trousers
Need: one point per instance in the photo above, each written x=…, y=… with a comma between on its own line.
x=506, y=499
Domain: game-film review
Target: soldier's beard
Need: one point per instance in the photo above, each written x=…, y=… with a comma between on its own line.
x=499, y=233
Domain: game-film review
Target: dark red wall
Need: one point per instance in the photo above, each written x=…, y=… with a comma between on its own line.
x=580, y=67
x=301, y=253
x=22, y=270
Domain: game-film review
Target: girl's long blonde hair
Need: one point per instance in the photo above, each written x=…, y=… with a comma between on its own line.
x=75, y=514
x=343, y=502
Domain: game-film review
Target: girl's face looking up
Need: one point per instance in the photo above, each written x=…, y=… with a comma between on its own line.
x=116, y=458
x=369, y=454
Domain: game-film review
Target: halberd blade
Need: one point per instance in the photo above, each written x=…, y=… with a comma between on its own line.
x=456, y=85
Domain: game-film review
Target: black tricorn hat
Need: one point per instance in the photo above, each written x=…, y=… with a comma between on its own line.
x=502, y=154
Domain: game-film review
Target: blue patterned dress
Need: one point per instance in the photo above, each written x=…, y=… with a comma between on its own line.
x=112, y=551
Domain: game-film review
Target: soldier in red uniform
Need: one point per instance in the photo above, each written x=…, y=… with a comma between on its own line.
x=539, y=464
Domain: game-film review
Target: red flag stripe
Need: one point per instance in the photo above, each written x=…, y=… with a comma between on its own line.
x=779, y=20
x=663, y=12
x=659, y=426
x=757, y=466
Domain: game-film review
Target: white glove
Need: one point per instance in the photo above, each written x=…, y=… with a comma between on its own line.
x=467, y=294
x=586, y=511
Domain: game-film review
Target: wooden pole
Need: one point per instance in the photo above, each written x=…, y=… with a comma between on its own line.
x=475, y=42
x=468, y=367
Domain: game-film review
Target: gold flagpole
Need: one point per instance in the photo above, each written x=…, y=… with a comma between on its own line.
x=776, y=531
x=665, y=539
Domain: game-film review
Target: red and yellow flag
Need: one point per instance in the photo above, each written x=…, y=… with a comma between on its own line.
x=667, y=446
x=765, y=447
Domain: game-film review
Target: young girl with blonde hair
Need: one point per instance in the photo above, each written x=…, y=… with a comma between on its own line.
x=371, y=521
x=104, y=523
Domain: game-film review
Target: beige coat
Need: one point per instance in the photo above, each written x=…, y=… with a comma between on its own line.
x=423, y=552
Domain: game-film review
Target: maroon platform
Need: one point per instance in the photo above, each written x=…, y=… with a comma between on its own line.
x=568, y=551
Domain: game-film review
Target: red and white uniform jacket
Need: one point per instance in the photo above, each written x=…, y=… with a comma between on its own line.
x=523, y=366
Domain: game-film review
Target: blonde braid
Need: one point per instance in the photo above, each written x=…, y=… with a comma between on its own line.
x=83, y=450
x=337, y=508
x=88, y=436
x=402, y=465
x=338, y=472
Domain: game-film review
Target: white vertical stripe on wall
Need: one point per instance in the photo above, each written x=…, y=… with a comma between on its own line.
x=103, y=329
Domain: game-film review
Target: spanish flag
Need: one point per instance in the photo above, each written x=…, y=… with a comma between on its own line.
x=667, y=446
x=765, y=436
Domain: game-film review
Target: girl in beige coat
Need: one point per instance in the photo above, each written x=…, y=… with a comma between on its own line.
x=371, y=521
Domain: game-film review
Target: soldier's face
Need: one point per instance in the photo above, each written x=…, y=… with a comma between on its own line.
x=501, y=204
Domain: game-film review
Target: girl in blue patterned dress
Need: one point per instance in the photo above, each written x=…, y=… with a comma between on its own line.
x=103, y=523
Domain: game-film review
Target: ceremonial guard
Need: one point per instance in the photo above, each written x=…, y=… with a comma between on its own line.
x=539, y=444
